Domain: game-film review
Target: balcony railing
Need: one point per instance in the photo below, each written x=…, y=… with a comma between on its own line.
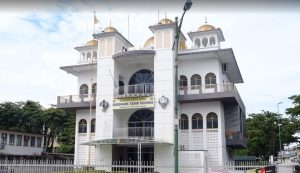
x=134, y=90
x=76, y=100
x=2, y=145
x=141, y=132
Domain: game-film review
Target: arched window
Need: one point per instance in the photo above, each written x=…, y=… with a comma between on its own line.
x=94, y=88
x=212, y=120
x=195, y=81
x=141, y=82
x=197, y=121
x=121, y=87
x=88, y=56
x=94, y=55
x=84, y=89
x=82, y=58
x=182, y=82
x=210, y=80
x=141, y=123
x=184, y=122
x=197, y=43
x=82, y=126
x=212, y=41
x=93, y=125
x=204, y=42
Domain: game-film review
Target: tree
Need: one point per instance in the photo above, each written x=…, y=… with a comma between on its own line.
x=67, y=137
x=294, y=111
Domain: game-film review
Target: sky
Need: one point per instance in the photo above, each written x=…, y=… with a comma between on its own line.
x=37, y=37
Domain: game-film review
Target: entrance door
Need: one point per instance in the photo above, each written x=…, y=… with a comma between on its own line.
x=147, y=154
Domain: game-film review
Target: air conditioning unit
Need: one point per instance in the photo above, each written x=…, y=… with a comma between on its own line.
x=181, y=147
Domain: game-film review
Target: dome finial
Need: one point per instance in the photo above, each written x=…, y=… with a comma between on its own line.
x=205, y=19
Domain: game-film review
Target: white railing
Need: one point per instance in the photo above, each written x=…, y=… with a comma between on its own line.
x=144, y=132
x=56, y=166
x=146, y=89
x=205, y=89
x=76, y=98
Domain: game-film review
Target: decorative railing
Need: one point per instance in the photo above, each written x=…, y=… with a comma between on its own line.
x=140, y=89
x=76, y=98
x=141, y=132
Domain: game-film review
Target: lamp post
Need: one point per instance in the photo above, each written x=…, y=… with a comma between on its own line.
x=279, y=129
x=186, y=7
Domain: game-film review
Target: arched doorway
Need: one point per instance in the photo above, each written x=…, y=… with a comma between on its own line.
x=141, y=82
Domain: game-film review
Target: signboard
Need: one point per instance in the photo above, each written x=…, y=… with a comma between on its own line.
x=133, y=102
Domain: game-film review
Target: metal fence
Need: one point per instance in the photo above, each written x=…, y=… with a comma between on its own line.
x=50, y=166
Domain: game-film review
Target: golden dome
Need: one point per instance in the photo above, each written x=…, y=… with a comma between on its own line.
x=110, y=29
x=206, y=27
x=165, y=21
x=149, y=43
x=92, y=43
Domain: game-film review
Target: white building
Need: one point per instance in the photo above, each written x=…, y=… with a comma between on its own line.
x=20, y=145
x=129, y=89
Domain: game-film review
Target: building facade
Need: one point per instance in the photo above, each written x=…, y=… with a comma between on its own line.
x=125, y=101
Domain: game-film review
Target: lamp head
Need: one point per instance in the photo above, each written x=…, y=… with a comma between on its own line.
x=187, y=5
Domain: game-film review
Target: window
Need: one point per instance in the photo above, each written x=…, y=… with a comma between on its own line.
x=94, y=88
x=212, y=41
x=4, y=138
x=224, y=68
x=195, y=81
x=88, y=56
x=197, y=121
x=38, y=142
x=26, y=141
x=184, y=122
x=121, y=87
x=212, y=120
x=182, y=82
x=93, y=122
x=19, y=140
x=210, y=80
x=94, y=55
x=82, y=126
x=141, y=123
x=12, y=139
x=32, y=141
x=197, y=43
x=84, y=89
x=204, y=42
x=141, y=82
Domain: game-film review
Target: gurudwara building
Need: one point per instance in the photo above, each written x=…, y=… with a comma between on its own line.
x=125, y=101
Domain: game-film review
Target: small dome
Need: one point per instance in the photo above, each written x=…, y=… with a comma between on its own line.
x=165, y=21
x=110, y=29
x=149, y=43
x=206, y=27
x=92, y=43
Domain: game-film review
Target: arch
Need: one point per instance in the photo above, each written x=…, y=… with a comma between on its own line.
x=93, y=125
x=141, y=82
x=212, y=120
x=84, y=89
x=204, y=42
x=82, y=58
x=210, y=80
x=212, y=41
x=82, y=126
x=94, y=55
x=197, y=43
x=184, y=122
x=197, y=121
x=88, y=56
x=195, y=81
x=121, y=87
x=141, y=123
x=94, y=88
x=182, y=82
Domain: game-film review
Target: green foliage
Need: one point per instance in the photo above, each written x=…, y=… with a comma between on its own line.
x=262, y=133
x=294, y=111
x=31, y=117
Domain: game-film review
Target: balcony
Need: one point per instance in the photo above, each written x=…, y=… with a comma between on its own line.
x=76, y=101
x=139, y=132
x=226, y=92
x=138, y=90
x=235, y=139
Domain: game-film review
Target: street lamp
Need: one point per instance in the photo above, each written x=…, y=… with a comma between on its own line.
x=279, y=130
x=187, y=6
